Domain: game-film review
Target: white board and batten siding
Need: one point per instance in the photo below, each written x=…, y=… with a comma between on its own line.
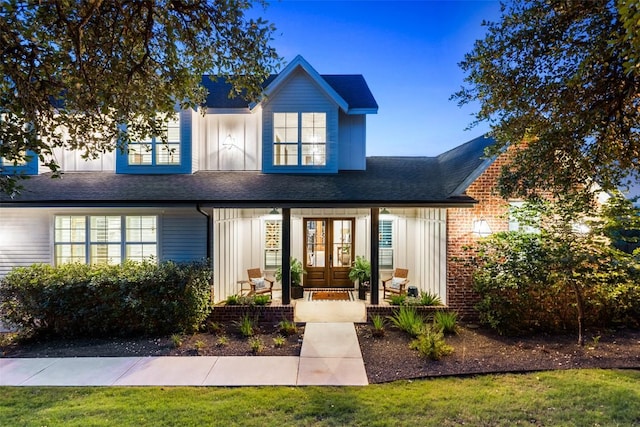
x=182, y=233
x=232, y=142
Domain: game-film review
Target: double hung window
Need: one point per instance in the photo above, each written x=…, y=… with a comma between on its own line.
x=154, y=151
x=299, y=139
x=104, y=239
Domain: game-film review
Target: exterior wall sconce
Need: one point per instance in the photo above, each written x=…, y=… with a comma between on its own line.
x=481, y=228
x=229, y=142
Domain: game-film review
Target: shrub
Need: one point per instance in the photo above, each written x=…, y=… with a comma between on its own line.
x=445, y=321
x=377, y=325
x=279, y=341
x=287, y=327
x=429, y=299
x=222, y=341
x=261, y=299
x=256, y=344
x=233, y=300
x=176, y=340
x=408, y=320
x=431, y=344
x=107, y=300
x=398, y=299
x=245, y=325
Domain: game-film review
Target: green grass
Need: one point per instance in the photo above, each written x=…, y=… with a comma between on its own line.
x=568, y=398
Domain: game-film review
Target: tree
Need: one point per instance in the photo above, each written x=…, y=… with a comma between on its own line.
x=74, y=72
x=530, y=278
x=559, y=81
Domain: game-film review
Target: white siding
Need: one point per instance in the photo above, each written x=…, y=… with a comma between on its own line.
x=72, y=161
x=25, y=238
x=182, y=233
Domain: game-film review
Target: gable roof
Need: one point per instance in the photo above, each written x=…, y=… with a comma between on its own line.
x=465, y=163
x=349, y=91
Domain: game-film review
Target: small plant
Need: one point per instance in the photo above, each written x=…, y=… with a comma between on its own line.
x=377, y=325
x=213, y=327
x=233, y=300
x=398, y=299
x=446, y=321
x=199, y=345
x=287, y=327
x=222, y=341
x=431, y=344
x=256, y=344
x=261, y=299
x=408, y=320
x=429, y=299
x=279, y=341
x=594, y=342
x=246, y=325
x=176, y=340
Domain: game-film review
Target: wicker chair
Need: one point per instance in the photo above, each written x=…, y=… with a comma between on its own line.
x=259, y=283
x=397, y=284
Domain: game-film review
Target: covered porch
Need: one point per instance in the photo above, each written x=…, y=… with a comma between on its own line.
x=327, y=240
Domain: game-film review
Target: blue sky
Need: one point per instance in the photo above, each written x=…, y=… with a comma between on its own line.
x=408, y=51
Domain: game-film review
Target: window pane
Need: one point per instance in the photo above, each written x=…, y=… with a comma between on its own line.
x=314, y=154
x=167, y=154
x=105, y=254
x=105, y=229
x=139, y=154
x=141, y=229
x=385, y=237
x=285, y=154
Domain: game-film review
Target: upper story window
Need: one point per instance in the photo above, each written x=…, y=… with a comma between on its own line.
x=516, y=214
x=170, y=152
x=299, y=139
x=27, y=164
x=104, y=239
x=153, y=151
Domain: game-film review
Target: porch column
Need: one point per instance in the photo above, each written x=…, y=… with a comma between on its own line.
x=286, y=255
x=375, y=259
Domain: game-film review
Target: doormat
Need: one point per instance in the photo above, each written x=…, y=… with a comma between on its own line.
x=330, y=296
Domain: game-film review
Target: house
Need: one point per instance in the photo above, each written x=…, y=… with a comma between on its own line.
x=249, y=185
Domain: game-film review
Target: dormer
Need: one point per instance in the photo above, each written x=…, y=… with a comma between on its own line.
x=313, y=123
x=305, y=123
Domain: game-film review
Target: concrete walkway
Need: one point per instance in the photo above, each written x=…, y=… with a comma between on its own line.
x=330, y=355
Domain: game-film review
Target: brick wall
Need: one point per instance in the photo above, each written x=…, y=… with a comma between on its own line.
x=493, y=209
x=262, y=314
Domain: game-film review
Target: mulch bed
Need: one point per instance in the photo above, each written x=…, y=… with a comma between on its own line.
x=476, y=350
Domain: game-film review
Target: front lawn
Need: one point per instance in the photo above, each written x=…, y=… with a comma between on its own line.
x=572, y=397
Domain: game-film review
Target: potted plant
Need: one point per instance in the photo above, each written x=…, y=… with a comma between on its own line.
x=297, y=291
x=361, y=271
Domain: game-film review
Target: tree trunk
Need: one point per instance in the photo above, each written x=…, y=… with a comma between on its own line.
x=580, y=304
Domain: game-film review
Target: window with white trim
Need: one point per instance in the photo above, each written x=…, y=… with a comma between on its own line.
x=299, y=139
x=385, y=245
x=153, y=151
x=272, y=244
x=104, y=239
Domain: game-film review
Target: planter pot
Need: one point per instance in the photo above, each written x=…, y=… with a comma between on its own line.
x=297, y=292
x=363, y=288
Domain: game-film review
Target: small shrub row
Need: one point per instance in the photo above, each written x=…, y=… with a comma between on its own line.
x=250, y=300
x=426, y=299
x=107, y=300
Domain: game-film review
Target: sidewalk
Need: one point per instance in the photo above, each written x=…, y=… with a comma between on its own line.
x=330, y=355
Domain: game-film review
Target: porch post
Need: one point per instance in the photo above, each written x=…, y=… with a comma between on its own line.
x=286, y=255
x=375, y=249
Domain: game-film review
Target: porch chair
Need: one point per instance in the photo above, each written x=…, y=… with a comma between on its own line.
x=396, y=284
x=259, y=283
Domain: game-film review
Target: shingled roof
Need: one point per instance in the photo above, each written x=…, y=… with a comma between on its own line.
x=351, y=87
x=387, y=181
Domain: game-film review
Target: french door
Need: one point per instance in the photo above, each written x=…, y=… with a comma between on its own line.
x=328, y=252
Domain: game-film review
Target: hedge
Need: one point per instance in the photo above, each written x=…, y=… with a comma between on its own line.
x=106, y=300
